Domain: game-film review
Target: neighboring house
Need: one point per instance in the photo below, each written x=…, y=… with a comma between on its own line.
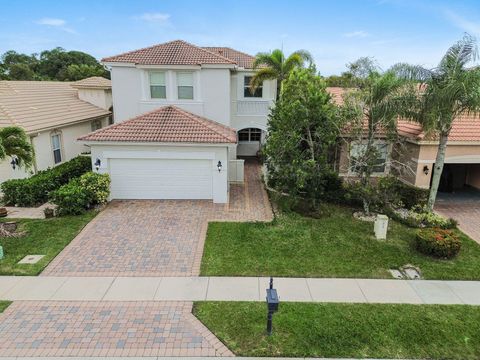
x=417, y=153
x=182, y=116
x=54, y=114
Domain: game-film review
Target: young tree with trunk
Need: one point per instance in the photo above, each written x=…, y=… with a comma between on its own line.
x=446, y=92
x=276, y=66
x=371, y=111
x=302, y=128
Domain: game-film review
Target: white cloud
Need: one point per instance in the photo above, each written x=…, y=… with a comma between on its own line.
x=472, y=27
x=356, y=34
x=51, y=22
x=159, y=18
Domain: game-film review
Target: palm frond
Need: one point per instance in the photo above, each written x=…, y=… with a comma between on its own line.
x=460, y=54
x=411, y=72
x=260, y=76
x=15, y=142
x=267, y=59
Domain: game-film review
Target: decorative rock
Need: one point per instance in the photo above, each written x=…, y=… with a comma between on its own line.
x=396, y=274
x=412, y=272
x=360, y=215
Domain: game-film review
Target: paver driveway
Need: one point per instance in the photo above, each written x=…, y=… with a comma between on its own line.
x=157, y=237
x=463, y=207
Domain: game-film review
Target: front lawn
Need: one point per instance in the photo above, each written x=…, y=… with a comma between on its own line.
x=333, y=246
x=44, y=237
x=4, y=305
x=346, y=330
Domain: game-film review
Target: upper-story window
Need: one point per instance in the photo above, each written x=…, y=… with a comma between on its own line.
x=96, y=124
x=249, y=135
x=158, y=89
x=247, y=90
x=57, y=148
x=185, y=85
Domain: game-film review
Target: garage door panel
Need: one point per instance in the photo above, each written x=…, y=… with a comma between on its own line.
x=161, y=179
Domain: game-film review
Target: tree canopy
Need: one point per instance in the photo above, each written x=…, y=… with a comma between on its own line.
x=55, y=64
x=302, y=128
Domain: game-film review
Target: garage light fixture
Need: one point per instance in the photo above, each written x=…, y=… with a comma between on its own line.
x=219, y=166
x=14, y=162
x=97, y=164
x=426, y=170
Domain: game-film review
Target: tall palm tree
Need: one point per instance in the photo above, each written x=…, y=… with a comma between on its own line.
x=14, y=143
x=447, y=91
x=275, y=66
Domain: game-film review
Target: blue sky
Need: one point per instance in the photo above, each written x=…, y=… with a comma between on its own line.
x=334, y=31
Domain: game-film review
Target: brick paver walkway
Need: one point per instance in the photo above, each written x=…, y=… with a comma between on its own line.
x=465, y=208
x=105, y=329
x=157, y=237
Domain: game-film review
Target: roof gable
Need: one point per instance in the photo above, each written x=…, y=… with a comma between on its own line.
x=177, y=52
x=241, y=59
x=167, y=124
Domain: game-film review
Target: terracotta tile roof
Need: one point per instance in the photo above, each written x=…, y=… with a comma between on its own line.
x=241, y=59
x=177, y=52
x=42, y=105
x=465, y=128
x=166, y=124
x=94, y=82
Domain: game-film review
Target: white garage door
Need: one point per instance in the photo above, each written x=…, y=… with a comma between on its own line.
x=161, y=179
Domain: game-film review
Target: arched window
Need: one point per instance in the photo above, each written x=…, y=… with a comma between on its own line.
x=250, y=135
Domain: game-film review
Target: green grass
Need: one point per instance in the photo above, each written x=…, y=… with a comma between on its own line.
x=4, y=305
x=43, y=237
x=346, y=330
x=336, y=245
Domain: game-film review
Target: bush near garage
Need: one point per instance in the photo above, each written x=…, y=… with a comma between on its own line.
x=440, y=243
x=81, y=194
x=33, y=191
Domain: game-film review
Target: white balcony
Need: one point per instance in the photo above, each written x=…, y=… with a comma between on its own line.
x=253, y=107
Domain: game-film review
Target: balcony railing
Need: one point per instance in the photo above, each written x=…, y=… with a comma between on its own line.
x=253, y=107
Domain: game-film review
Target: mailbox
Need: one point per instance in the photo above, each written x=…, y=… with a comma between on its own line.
x=272, y=300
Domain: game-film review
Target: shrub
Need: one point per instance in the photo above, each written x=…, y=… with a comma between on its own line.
x=423, y=217
x=34, y=190
x=71, y=198
x=81, y=193
x=396, y=193
x=97, y=186
x=437, y=242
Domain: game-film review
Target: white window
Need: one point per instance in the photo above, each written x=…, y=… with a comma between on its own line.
x=57, y=148
x=96, y=124
x=185, y=85
x=247, y=90
x=158, y=89
x=358, y=158
x=250, y=135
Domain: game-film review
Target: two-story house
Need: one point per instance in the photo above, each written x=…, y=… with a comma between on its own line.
x=183, y=114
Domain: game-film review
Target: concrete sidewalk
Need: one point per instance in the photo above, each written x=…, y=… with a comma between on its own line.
x=238, y=289
x=170, y=358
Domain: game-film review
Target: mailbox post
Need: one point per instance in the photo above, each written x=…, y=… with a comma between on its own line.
x=272, y=305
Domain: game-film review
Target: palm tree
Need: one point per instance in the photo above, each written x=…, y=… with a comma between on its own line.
x=275, y=66
x=371, y=110
x=14, y=142
x=447, y=91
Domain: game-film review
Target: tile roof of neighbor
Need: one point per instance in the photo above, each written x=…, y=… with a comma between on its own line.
x=466, y=128
x=42, y=105
x=94, y=82
x=177, y=52
x=166, y=124
x=241, y=59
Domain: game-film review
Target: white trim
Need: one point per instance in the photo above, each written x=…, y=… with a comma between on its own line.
x=126, y=143
x=169, y=67
x=120, y=64
x=158, y=155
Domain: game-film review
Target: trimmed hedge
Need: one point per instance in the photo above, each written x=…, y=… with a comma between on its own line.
x=81, y=193
x=33, y=191
x=393, y=190
x=440, y=243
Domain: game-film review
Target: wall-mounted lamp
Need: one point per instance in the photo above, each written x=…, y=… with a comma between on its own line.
x=14, y=162
x=219, y=166
x=97, y=164
x=426, y=170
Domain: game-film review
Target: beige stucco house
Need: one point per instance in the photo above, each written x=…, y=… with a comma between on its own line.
x=417, y=152
x=54, y=114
